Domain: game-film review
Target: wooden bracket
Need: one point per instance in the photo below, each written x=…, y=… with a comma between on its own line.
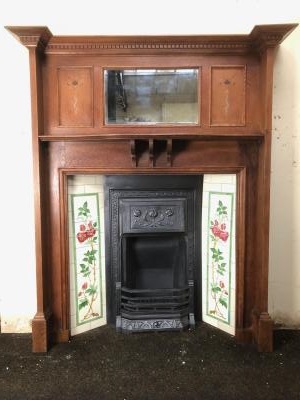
x=133, y=152
x=145, y=152
x=169, y=152
x=151, y=155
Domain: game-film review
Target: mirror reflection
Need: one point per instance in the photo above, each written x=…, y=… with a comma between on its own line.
x=151, y=96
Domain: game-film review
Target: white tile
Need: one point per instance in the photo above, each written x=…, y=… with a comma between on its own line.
x=98, y=322
x=73, y=322
x=72, y=277
x=204, y=217
x=81, y=328
x=210, y=321
x=99, y=180
x=226, y=328
x=71, y=180
x=84, y=180
x=78, y=189
x=91, y=188
x=207, y=178
x=212, y=187
x=101, y=197
x=222, y=178
x=228, y=188
x=73, y=302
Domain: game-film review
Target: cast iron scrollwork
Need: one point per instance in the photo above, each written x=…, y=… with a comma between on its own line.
x=153, y=217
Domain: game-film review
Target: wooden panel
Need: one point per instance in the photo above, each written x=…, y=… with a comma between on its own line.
x=75, y=97
x=51, y=102
x=227, y=94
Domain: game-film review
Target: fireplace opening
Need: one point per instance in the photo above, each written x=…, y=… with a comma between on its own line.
x=154, y=281
x=153, y=245
x=154, y=262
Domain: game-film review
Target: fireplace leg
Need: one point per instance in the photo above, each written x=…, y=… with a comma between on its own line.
x=263, y=331
x=41, y=332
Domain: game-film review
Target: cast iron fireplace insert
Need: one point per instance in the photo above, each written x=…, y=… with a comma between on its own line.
x=153, y=251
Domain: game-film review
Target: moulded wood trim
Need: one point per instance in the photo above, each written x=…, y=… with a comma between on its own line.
x=260, y=37
x=159, y=170
x=31, y=36
x=157, y=136
x=263, y=36
x=64, y=249
x=240, y=247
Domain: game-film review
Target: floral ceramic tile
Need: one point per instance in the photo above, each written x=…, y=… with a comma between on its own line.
x=87, y=257
x=219, y=256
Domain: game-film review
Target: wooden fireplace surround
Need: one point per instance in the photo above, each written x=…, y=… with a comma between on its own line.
x=232, y=139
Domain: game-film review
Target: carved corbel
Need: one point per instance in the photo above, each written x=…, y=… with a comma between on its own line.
x=133, y=152
x=151, y=155
x=169, y=152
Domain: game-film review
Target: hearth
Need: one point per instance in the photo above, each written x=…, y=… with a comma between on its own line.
x=153, y=242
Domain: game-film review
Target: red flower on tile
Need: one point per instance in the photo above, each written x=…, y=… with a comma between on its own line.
x=223, y=235
x=81, y=236
x=91, y=232
x=215, y=230
x=219, y=231
x=84, y=286
x=222, y=285
x=84, y=234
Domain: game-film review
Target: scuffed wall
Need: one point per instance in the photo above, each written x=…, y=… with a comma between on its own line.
x=284, y=277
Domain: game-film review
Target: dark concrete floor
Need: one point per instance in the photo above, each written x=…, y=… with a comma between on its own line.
x=101, y=364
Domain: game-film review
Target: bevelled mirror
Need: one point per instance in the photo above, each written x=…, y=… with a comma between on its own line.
x=152, y=96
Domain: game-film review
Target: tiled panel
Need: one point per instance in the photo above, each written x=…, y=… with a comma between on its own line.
x=75, y=97
x=228, y=95
x=87, y=258
x=218, y=251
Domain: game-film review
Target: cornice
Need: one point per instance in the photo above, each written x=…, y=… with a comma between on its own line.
x=270, y=36
x=147, y=46
x=260, y=38
x=31, y=36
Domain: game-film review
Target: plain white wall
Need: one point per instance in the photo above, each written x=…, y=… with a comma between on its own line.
x=17, y=263
x=284, y=276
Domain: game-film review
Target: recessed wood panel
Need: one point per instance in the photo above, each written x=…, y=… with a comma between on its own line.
x=228, y=95
x=75, y=97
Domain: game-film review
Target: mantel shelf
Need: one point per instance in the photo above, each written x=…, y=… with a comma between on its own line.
x=157, y=136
